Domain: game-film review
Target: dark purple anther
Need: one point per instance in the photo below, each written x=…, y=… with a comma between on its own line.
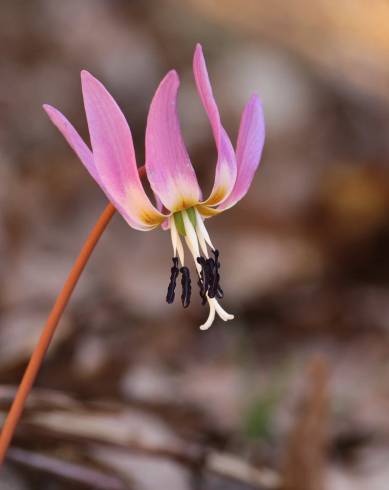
x=186, y=287
x=174, y=271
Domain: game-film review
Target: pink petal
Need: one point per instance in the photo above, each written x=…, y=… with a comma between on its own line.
x=114, y=155
x=166, y=224
x=225, y=174
x=73, y=138
x=168, y=166
x=86, y=156
x=248, y=151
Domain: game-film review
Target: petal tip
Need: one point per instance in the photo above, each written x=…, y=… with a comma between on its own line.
x=88, y=78
x=254, y=105
x=198, y=48
x=255, y=100
x=85, y=74
x=170, y=80
x=198, y=56
x=51, y=111
x=171, y=76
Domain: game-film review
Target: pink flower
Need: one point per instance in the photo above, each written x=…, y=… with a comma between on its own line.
x=180, y=206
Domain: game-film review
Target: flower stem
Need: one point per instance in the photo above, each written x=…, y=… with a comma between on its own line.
x=48, y=331
x=62, y=300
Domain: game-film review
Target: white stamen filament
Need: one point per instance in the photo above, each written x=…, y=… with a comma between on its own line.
x=201, y=230
x=202, y=243
x=190, y=246
x=191, y=236
x=192, y=240
x=176, y=241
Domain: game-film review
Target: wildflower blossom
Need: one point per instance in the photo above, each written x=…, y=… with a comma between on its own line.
x=180, y=206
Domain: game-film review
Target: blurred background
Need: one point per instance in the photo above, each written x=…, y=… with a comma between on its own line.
x=291, y=395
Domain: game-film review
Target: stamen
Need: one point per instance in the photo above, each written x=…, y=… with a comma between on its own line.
x=219, y=292
x=176, y=240
x=202, y=231
x=174, y=271
x=203, y=281
x=202, y=243
x=215, y=289
x=208, y=271
x=190, y=236
x=210, y=277
x=203, y=293
x=186, y=286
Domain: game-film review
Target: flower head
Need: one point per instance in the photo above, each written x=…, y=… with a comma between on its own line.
x=180, y=205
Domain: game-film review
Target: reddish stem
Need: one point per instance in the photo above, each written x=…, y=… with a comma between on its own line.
x=48, y=331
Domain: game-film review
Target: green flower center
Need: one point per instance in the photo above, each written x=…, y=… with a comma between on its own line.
x=179, y=221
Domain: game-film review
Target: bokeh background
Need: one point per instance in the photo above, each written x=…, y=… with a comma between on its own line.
x=293, y=394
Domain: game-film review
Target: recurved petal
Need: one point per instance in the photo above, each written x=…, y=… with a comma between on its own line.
x=114, y=156
x=168, y=166
x=85, y=155
x=166, y=224
x=251, y=138
x=225, y=174
x=73, y=138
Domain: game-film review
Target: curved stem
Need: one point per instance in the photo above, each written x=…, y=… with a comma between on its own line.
x=48, y=331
